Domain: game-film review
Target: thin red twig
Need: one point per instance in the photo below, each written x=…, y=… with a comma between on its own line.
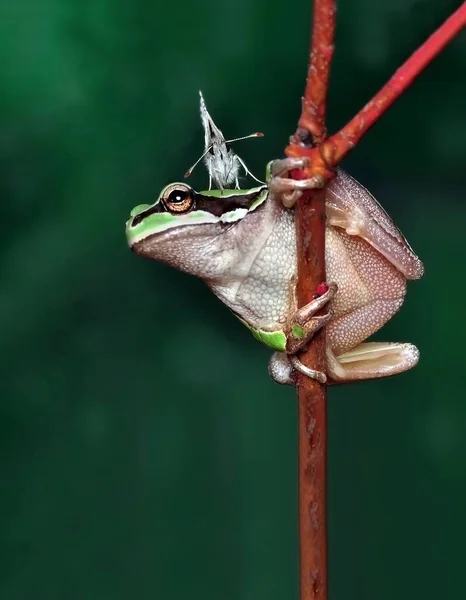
x=310, y=140
x=314, y=105
x=332, y=151
x=337, y=146
x=312, y=396
x=312, y=407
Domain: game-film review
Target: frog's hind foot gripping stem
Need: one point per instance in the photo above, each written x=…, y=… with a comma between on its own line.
x=312, y=373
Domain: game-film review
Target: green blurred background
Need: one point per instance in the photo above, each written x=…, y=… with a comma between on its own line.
x=144, y=451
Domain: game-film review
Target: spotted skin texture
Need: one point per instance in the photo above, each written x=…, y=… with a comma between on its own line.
x=353, y=208
x=370, y=290
x=265, y=290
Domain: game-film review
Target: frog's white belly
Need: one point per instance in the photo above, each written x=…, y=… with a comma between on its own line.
x=268, y=291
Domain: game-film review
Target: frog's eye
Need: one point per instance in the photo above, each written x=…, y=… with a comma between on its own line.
x=178, y=198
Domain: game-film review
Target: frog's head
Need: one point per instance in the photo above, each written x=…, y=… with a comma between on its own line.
x=196, y=232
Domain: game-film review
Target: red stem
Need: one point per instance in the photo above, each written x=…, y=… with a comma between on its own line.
x=315, y=95
x=312, y=407
x=336, y=147
x=332, y=151
x=312, y=396
x=309, y=140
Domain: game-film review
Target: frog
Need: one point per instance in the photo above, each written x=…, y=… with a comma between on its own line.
x=242, y=244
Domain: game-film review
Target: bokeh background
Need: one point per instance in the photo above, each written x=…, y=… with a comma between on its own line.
x=144, y=451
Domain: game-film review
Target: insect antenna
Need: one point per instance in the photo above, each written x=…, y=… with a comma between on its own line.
x=245, y=137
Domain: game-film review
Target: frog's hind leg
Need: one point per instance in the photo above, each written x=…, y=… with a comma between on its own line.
x=371, y=360
x=351, y=207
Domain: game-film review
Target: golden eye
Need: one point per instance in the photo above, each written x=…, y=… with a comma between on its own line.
x=178, y=199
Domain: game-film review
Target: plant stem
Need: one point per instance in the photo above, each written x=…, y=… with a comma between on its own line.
x=314, y=105
x=329, y=153
x=312, y=408
x=312, y=396
x=337, y=146
x=310, y=140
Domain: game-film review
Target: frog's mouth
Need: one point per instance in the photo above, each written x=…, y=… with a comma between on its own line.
x=200, y=250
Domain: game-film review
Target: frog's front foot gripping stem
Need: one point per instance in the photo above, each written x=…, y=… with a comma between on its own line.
x=299, y=332
x=289, y=190
x=305, y=324
x=312, y=373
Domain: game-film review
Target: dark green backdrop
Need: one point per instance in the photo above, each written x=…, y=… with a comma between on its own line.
x=144, y=452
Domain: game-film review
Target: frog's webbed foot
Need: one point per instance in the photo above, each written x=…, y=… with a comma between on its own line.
x=282, y=166
x=290, y=190
x=371, y=360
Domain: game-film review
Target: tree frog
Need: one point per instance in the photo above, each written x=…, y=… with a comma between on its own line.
x=242, y=243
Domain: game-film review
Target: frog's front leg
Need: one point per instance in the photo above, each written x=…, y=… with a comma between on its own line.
x=300, y=328
x=304, y=322
x=289, y=190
